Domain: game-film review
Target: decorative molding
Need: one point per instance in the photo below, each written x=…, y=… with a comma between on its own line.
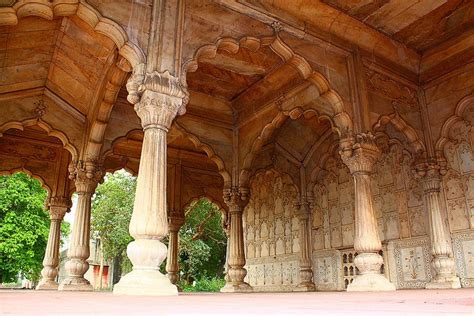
x=49, y=10
x=20, y=125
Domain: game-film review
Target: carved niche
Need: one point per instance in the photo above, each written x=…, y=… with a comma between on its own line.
x=272, y=233
x=458, y=182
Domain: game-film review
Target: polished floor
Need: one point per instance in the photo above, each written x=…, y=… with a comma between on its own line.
x=408, y=302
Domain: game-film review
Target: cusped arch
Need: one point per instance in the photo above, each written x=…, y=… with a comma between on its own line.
x=59, y=8
x=268, y=131
x=457, y=117
x=416, y=145
x=271, y=169
x=20, y=125
x=316, y=171
x=211, y=154
x=43, y=183
x=326, y=93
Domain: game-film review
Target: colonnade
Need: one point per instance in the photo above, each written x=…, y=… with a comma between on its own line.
x=150, y=224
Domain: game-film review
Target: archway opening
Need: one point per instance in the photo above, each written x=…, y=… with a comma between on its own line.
x=202, y=248
x=24, y=229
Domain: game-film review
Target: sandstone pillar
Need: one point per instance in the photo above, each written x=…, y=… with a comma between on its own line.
x=306, y=272
x=158, y=106
x=172, y=267
x=360, y=159
x=441, y=249
x=58, y=206
x=236, y=199
x=86, y=176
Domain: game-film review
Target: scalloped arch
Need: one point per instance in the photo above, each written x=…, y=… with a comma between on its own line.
x=222, y=208
x=209, y=152
x=20, y=125
x=457, y=117
x=197, y=143
x=416, y=144
x=320, y=166
x=280, y=173
x=30, y=174
x=50, y=9
x=267, y=132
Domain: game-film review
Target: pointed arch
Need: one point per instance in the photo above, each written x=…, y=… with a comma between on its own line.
x=461, y=107
x=209, y=152
x=416, y=145
x=341, y=119
x=20, y=125
x=269, y=130
x=42, y=181
x=60, y=8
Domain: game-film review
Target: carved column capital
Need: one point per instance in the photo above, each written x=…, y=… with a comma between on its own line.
x=58, y=207
x=361, y=155
x=161, y=98
x=430, y=171
x=86, y=175
x=236, y=198
x=175, y=223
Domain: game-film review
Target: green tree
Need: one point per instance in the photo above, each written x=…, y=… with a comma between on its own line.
x=24, y=227
x=112, y=208
x=202, y=245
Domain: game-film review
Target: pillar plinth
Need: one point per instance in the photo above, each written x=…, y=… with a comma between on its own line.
x=172, y=266
x=360, y=159
x=159, y=104
x=441, y=250
x=86, y=176
x=58, y=206
x=236, y=199
x=306, y=283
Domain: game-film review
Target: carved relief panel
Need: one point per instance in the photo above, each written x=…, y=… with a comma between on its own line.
x=398, y=196
x=272, y=232
x=458, y=183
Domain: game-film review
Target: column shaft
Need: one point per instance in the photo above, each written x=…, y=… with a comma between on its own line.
x=87, y=176
x=172, y=265
x=236, y=200
x=51, y=256
x=157, y=109
x=361, y=159
x=441, y=250
x=306, y=283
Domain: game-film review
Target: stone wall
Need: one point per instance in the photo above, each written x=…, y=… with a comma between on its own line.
x=272, y=233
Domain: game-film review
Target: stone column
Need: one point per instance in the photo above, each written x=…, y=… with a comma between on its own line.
x=361, y=157
x=58, y=206
x=236, y=199
x=441, y=249
x=86, y=176
x=158, y=106
x=172, y=267
x=306, y=272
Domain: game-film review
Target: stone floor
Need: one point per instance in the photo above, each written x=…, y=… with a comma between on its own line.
x=409, y=302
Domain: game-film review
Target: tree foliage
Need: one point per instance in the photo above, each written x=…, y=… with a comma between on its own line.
x=24, y=227
x=202, y=245
x=202, y=241
x=112, y=208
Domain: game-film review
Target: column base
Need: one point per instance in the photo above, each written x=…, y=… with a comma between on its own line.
x=75, y=284
x=145, y=282
x=370, y=282
x=305, y=287
x=47, y=285
x=452, y=283
x=237, y=288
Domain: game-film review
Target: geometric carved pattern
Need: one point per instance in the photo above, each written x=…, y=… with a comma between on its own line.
x=272, y=232
x=327, y=272
x=463, y=248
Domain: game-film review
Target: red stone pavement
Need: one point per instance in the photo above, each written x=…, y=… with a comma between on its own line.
x=406, y=302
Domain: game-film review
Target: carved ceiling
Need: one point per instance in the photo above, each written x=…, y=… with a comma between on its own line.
x=126, y=152
x=420, y=25
x=245, y=78
x=64, y=55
